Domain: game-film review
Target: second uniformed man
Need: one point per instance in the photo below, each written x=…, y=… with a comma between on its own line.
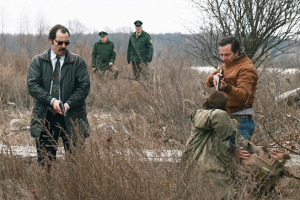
x=104, y=55
x=140, y=51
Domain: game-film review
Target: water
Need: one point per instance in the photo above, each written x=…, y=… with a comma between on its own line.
x=210, y=69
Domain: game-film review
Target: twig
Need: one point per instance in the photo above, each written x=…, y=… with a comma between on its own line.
x=145, y=88
x=269, y=133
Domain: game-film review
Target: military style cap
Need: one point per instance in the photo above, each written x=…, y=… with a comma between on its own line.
x=138, y=23
x=102, y=34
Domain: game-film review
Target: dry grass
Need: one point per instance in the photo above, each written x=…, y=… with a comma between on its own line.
x=127, y=117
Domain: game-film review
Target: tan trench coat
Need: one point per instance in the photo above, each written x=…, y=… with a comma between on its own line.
x=208, y=145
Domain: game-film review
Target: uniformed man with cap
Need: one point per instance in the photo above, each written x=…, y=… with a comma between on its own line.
x=104, y=55
x=140, y=51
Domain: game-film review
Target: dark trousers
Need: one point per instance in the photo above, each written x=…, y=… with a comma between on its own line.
x=47, y=144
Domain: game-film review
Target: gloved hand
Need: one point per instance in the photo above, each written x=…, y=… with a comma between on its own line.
x=128, y=61
x=150, y=59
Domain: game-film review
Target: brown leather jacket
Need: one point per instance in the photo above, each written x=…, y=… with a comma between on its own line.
x=241, y=78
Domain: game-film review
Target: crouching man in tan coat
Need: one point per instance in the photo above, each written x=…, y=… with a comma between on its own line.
x=217, y=148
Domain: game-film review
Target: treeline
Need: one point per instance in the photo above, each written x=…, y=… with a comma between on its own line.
x=32, y=44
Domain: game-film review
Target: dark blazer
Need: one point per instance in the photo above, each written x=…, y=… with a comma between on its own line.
x=74, y=88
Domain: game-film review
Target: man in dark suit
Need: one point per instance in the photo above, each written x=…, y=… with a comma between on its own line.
x=54, y=77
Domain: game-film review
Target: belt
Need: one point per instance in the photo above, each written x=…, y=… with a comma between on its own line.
x=242, y=116
x=236, y=109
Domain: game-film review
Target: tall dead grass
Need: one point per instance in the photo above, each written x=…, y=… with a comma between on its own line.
x=127, y=117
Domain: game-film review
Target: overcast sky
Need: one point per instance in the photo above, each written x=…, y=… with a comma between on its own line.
x=158, y=16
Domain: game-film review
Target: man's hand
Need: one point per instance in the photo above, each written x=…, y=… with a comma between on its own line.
x=94, y=69
x=56, y=107
x=242, y=154
x=215, y=81
x=223, y=84
x=66, y=108
x=111, y=64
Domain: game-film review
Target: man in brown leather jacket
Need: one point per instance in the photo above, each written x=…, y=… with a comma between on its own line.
x=239, y=84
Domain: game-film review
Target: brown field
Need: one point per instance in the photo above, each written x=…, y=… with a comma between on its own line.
x=128, y=116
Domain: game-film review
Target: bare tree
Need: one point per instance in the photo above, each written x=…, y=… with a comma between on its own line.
x=25, y=38
x=41, y=34
x=265, y=28
x=2, y=25
x=76, y=30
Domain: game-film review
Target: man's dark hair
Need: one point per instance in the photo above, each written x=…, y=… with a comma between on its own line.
x=54, y=29
x=235, y=44
x=216, y=100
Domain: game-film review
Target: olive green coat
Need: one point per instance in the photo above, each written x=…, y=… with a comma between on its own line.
x=140, y=49
x=103, y=54
x=209, y=146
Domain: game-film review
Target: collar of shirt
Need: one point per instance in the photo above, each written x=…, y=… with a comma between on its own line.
x=138, y=34
x=54, y=59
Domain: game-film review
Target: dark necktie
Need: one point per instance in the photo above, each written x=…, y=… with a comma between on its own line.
x=55, y=78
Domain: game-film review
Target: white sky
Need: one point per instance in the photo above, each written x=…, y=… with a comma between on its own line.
x=158, y=16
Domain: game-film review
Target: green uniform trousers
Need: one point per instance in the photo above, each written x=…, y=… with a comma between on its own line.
x=140, y=69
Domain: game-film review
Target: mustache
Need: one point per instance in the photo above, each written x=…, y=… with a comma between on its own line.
x=62, y=49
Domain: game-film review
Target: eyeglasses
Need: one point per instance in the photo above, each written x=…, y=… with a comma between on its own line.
x=61, y=42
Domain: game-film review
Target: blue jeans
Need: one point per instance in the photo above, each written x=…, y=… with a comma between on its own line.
x=246, y=128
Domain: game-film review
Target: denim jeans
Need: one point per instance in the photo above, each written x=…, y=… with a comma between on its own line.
x=246, y=128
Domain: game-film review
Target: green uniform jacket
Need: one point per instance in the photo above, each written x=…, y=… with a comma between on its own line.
x=103, y=54
x=140, y=49
x=74, y=88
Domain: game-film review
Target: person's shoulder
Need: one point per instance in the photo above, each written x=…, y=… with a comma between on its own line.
x=198, y=113
x=73, y=56
x=97, y=43
x=43, y=56
x=218, y=112
x=201, y=112
x=246, y=59
x=36, y=58
x=109, y=41
x=146, y=34
x=76, y=56
x=244, y=62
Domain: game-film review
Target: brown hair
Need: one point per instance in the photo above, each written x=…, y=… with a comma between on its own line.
x=235, y=44
x=54, y=29
x=216, y=100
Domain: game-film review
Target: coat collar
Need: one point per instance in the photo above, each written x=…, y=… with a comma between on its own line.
x=238, y=60
x=100, y=42
x=141, y=35
x=47, y=56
